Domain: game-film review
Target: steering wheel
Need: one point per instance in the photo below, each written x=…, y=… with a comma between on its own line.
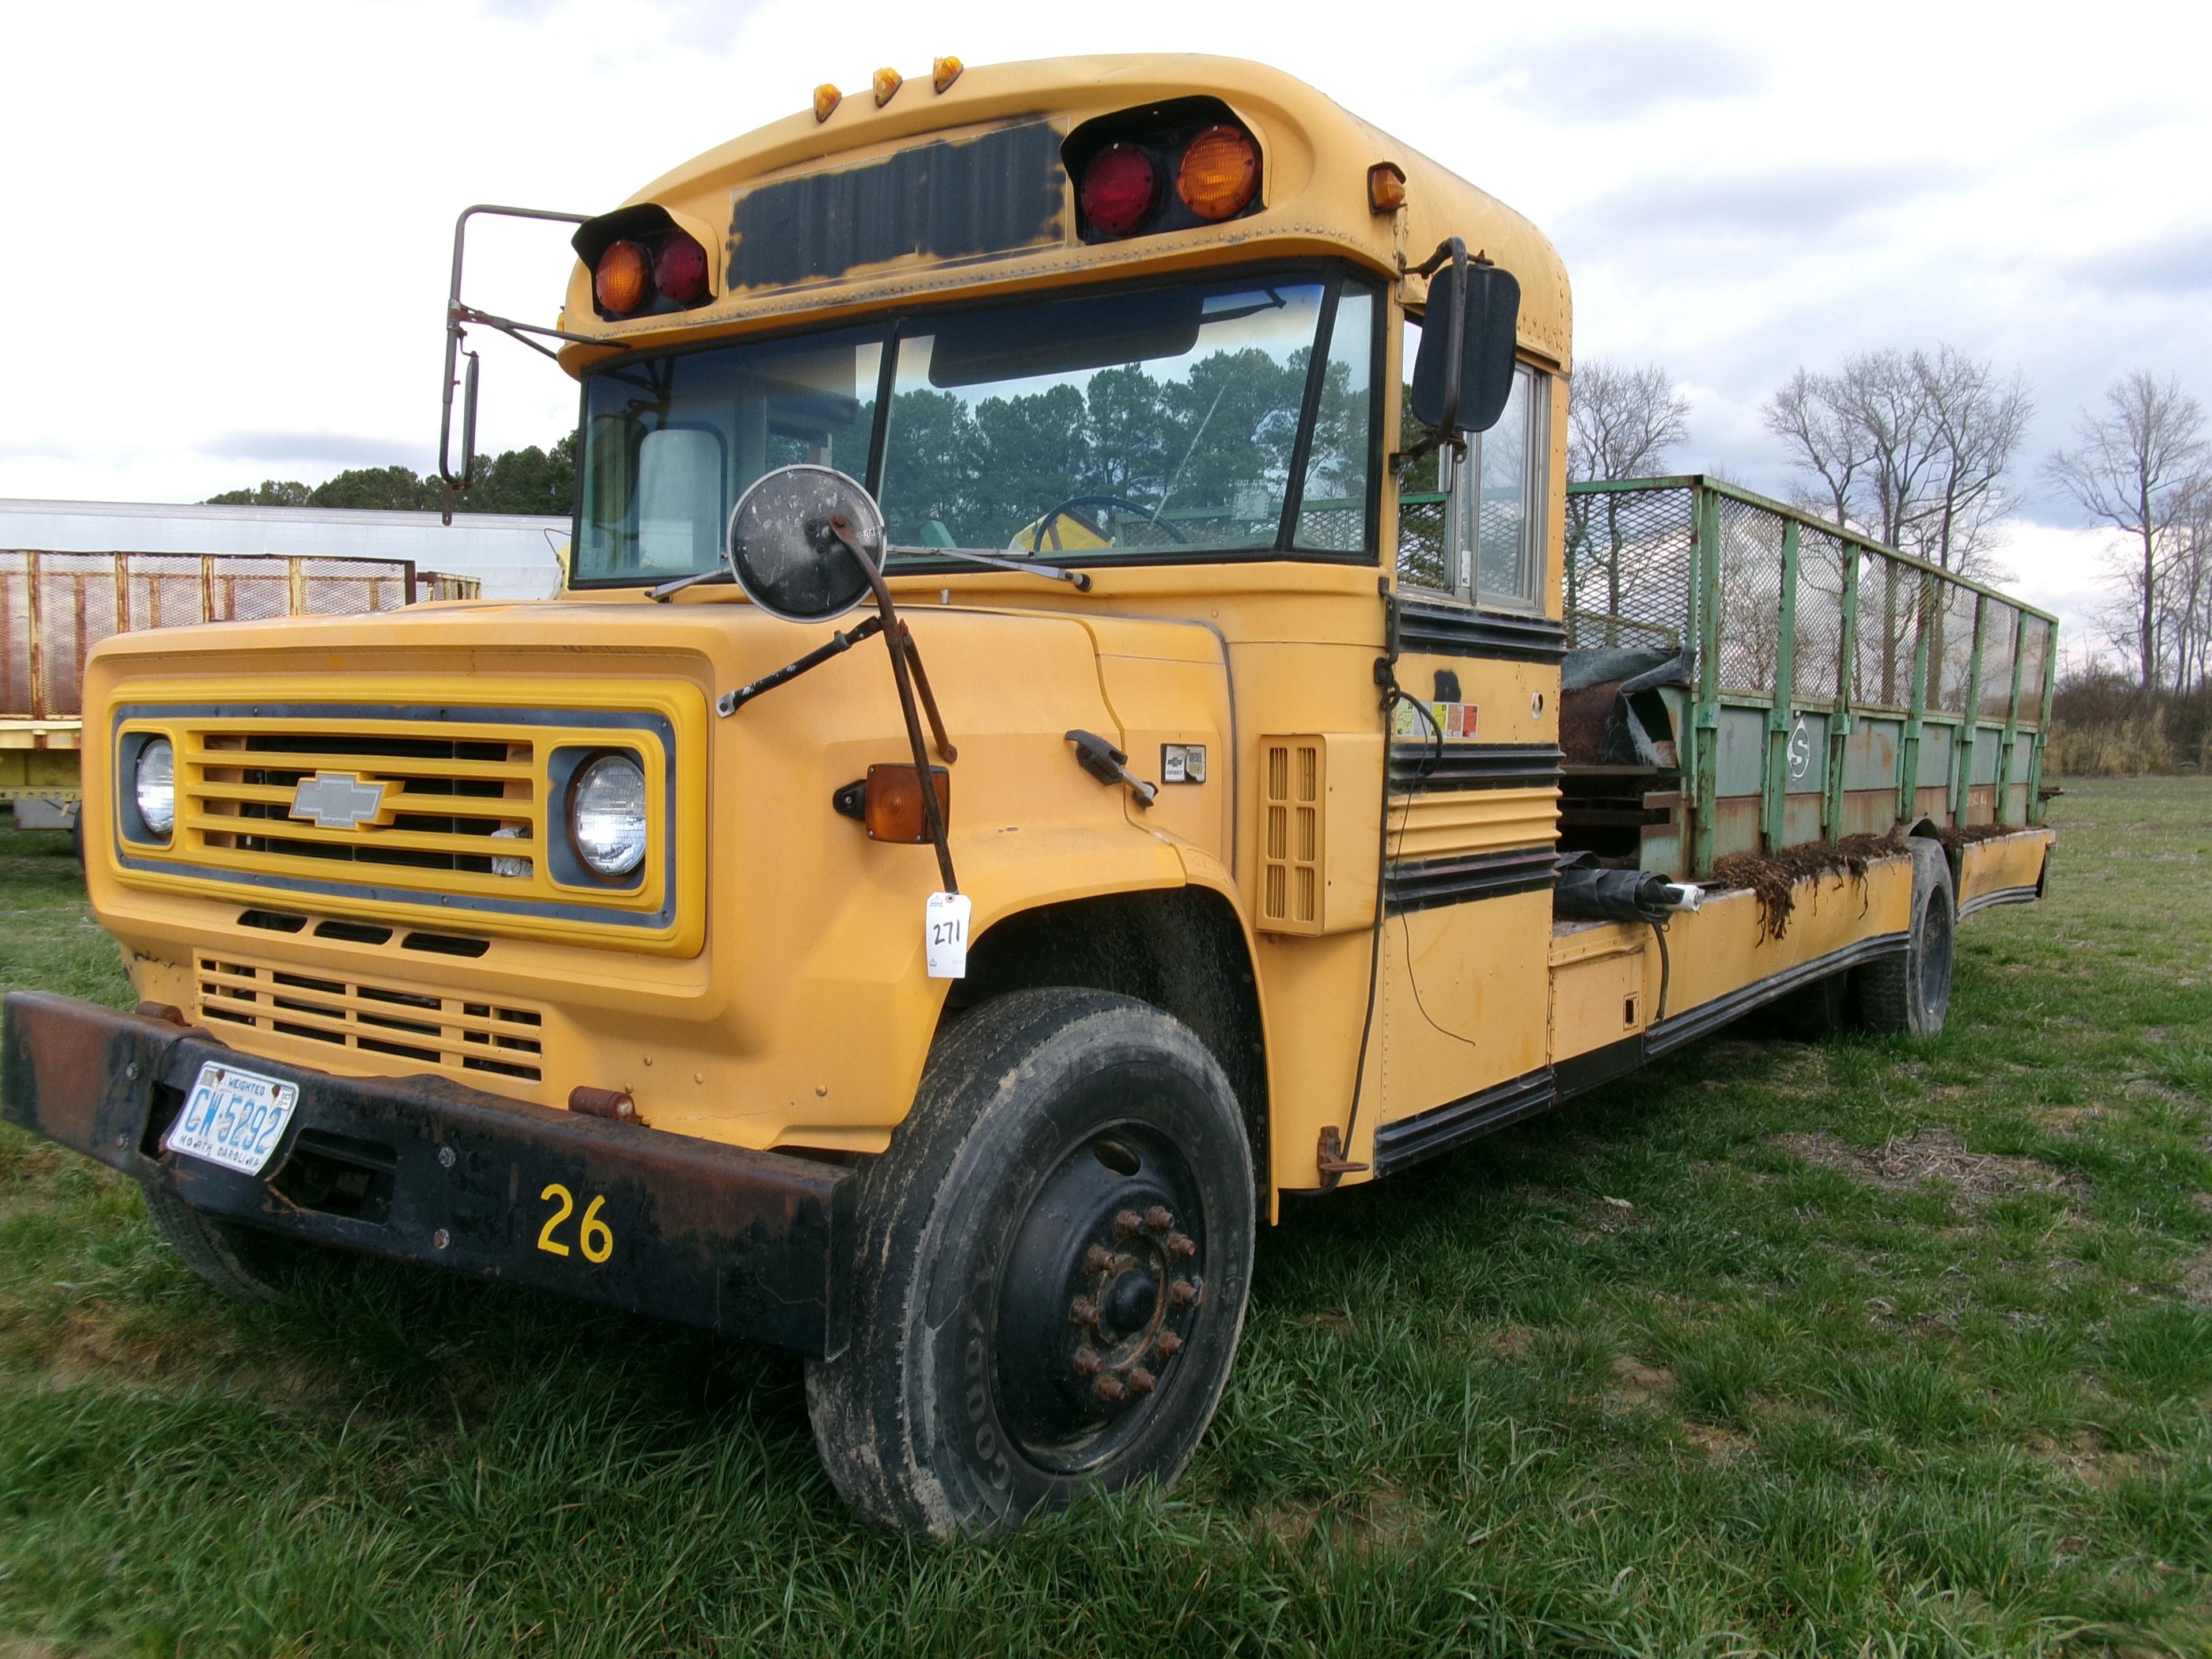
x=1067, y=509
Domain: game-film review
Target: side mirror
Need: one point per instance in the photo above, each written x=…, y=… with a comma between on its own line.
x=786, y=552
x=1475, y=309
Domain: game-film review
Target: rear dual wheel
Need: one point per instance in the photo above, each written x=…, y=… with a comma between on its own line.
x=1909, y=992
x=1051, y=1272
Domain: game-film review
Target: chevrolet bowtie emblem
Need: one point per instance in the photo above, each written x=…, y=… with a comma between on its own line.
x=336, y=800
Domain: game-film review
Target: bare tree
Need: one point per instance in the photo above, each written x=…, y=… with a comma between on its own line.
x=1808, y=414
x=2141, y=467
x=1912, y=447
x=1977, y=421
x=1621, y=423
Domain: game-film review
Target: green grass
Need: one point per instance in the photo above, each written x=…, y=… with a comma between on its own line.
x=1862, y=1348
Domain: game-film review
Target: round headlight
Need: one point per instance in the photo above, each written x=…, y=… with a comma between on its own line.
x=155, y=786
x=606, y=815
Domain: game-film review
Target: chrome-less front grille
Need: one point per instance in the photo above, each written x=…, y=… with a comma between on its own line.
x=346, y=1011
x=444, y=799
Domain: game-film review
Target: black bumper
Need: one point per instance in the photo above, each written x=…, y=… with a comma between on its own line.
x=751, y=1244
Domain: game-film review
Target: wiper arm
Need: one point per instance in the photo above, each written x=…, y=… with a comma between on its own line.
x=1051, y=572
x=667, y=591
x=722, y=578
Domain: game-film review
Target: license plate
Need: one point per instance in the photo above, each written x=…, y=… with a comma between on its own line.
x=233, y=1118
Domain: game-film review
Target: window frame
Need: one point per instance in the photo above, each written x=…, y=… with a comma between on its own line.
x=1460, y=513
x=890, y=325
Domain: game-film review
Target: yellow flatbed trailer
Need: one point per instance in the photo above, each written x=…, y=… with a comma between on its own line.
x=1280, y=776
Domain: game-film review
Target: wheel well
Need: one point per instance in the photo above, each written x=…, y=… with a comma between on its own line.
x=1928, y=829
x=1179, y=949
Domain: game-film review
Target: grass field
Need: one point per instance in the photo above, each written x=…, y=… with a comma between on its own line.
x=1861, y=1348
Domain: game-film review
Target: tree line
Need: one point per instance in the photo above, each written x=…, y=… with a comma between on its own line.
x=1921, y=449
x=531, y=480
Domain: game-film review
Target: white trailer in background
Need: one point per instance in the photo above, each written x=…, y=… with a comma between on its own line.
x=72, y=573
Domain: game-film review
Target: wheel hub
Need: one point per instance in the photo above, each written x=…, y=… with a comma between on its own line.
x=1102, y=1286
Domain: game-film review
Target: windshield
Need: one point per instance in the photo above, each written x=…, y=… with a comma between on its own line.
x=1153, y=424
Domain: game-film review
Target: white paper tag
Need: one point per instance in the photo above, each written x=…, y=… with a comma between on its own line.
x=944, y=930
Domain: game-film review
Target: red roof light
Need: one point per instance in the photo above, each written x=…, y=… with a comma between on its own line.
x=1120, y=187
x=679, y=269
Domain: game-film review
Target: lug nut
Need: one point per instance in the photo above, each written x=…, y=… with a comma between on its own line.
x=1087, y=1362
x=1158, y=1219
x=1126, y=1224
x=1140, y=1380
x=1184, y=1293
x=1099, y=1260
x=1110, y=1389
x=1170, y=1344
x=1082, y=1311
x=1178, y=1245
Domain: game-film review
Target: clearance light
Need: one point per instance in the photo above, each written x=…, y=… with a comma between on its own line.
x=1386, y=187
x=1219, y=173
x=887, y=82
x=826, y=98
x=679, y=269
x=1119, y=189
x=943, y=71
x=623, y=280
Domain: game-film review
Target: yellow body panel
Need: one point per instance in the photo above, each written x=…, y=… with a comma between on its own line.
x=2001, y=863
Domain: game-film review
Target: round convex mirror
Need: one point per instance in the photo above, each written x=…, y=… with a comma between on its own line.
x=784, y=552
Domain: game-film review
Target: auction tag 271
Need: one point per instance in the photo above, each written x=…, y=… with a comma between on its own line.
x=945, y=933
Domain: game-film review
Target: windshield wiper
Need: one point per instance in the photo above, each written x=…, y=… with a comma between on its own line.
x=1075, y=578
x=722, y=578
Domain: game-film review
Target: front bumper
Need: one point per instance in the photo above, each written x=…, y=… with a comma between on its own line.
x=751, y=1245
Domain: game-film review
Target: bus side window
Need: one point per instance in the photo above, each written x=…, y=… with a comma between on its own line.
x=1479, y=535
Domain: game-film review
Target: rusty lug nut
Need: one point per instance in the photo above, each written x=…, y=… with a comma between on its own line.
x=1158, y=1219
x=1126, y=1224
x=1170, y=1344
x=1140, y=1380
x=1110, y=1389
x=1183, y=1293
x=1099, y=1260
x=1178, y=1245
x=1082, y=1311
x=1087, y=1362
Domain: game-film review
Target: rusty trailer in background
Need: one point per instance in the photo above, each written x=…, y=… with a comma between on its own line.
x=55, y=607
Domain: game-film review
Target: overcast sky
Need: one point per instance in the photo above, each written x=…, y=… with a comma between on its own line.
x=230, y=222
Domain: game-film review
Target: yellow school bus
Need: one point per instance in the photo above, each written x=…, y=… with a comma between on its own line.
x=1083, y=704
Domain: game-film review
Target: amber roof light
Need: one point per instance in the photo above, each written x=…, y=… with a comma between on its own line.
x=624, y=279
x=1219, y=173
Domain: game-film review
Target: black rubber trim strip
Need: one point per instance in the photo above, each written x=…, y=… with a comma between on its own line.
x=1706, y=1017
x=2001, y=895
x=1438, y=628
x=1473, y=766
x=1464, y=878
x=1413, y=1139
x=1441, y=1128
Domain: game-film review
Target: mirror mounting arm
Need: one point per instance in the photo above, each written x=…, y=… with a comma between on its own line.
x=1451, y=251
x=456, y=315
x=895, y=640
x=840, y=643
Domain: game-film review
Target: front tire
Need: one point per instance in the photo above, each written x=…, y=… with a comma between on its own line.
x=1051, y=1269
x=1909, y=994
x=237, y=1262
